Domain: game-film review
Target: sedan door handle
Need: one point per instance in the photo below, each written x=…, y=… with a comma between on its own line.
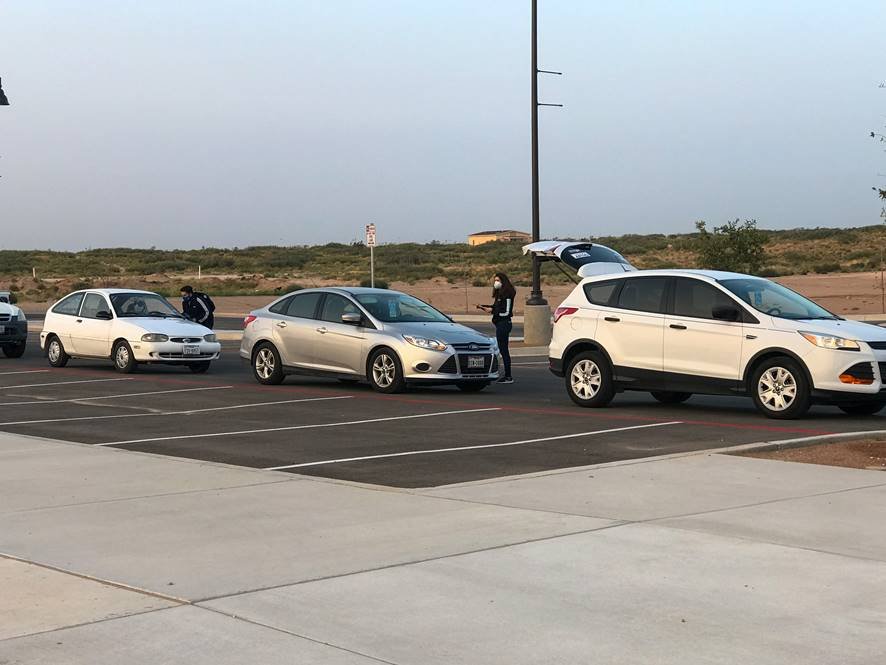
x=613, y=319
x=281, y=324
x=677, y=326
x=322, y=330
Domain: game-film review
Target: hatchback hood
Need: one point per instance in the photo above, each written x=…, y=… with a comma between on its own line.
x=586, y=258
x=451, y=333
x=866, y=332
x=171, y=327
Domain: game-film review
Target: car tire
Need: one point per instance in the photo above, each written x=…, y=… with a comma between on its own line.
x=55, y=352
x=123, y=358
x=267, y=366
x=472, y=386
x=199, y=368
x=780, y=389
x=589, y=380
x=862, y=409
x=670, y=396
x=385, y=372
x=14, y=350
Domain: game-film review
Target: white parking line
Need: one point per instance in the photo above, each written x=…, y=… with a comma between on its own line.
x=63, y=383
x=480, y=447
x=90, y=399
x=27, y=371
x=294, y=427
x=175, y=413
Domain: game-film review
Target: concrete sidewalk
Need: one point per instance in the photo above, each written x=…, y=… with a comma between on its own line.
x=113, y=556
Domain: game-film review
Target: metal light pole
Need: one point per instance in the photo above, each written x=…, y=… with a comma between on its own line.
x=537, y=325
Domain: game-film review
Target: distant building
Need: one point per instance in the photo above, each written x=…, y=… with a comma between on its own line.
x=508, y=235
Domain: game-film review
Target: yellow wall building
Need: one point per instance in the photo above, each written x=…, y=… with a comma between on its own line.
x=492, y=236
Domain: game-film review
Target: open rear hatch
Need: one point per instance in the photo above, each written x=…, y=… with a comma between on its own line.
x=585, y=258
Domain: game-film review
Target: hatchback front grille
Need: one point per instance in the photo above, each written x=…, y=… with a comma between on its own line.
x=186, y=340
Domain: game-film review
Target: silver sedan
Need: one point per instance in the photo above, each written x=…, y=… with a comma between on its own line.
x=388, y=338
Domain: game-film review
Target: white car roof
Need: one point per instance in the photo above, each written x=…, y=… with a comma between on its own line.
x=714, y=275
x=109, y=292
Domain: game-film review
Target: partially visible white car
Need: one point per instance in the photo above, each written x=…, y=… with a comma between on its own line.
x=128, y=327
x=13, y=327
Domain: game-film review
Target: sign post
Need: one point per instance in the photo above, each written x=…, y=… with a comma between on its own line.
x=370, y=243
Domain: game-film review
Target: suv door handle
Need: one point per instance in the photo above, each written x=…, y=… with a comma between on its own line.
x=281, y=324
x=677, y=326
x=613, y=319
x=322, y=330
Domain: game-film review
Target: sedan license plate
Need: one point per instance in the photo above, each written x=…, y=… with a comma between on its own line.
x=476, y=362
x=191, y=350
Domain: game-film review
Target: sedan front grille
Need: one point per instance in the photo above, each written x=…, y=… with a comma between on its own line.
x=463, y=363
x=472, y=346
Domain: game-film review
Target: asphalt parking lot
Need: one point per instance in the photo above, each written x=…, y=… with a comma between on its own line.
x=426, y=437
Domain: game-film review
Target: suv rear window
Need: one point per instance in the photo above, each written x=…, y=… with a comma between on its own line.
x=600, y=293
x=644, y=294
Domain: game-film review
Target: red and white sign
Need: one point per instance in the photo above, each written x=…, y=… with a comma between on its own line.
x=370, y=235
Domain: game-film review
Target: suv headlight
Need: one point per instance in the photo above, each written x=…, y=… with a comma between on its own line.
x=426, y=342
x=831, y=342
x=155, y=337
x=210, y=338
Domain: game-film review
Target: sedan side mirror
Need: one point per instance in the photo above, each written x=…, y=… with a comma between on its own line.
x=352, y=318
x=726, y=313
x=103, y=315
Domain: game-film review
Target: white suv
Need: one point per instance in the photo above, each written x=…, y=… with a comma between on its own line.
x=679, y=332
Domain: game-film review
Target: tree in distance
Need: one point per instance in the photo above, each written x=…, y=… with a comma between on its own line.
x=736, y=246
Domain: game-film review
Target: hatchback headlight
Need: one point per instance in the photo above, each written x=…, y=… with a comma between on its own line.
x=155, y=337
x=210, y=338
x=426, y=342
x=831, y=342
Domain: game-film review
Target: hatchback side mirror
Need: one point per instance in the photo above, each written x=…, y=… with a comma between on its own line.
x=352, y=318
x=726, y=313
x=103, y=315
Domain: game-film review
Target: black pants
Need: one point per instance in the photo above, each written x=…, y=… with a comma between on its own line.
x=502, y=335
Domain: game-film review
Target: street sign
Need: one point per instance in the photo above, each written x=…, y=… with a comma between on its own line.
x=370, y=235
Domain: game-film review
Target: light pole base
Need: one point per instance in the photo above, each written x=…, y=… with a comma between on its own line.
x=537, y=327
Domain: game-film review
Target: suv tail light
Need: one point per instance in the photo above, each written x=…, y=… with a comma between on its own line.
x=560, y=312
x=249, y=319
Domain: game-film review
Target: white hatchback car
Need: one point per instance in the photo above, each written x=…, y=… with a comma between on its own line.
x=128, y=327
x=679, y=332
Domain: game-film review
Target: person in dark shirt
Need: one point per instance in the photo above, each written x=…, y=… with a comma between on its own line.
x=198, y=307
x=502, y=308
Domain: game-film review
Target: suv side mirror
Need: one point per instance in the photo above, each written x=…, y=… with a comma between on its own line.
x=103, y=315
x=726, y=313
x=352, y=318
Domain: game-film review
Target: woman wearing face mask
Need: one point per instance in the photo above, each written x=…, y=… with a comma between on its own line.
x=502, y=309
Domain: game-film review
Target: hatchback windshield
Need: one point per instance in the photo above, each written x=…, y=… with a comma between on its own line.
x=775, y=299
x=142, y=304
x=400, y=308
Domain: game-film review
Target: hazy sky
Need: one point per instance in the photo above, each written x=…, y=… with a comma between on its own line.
x=230, y=123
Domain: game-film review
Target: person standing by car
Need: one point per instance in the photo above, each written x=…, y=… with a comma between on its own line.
x=502, y=308
x=197, y=306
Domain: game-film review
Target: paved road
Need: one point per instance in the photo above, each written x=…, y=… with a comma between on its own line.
x=426, y=437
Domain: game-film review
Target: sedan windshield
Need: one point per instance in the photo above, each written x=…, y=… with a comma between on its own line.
x=776, y=300
x=142, y=304
x=400, y=308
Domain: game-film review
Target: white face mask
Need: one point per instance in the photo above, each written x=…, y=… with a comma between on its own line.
x=496, y=284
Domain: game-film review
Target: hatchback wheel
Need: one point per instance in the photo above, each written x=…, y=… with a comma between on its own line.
x=385, y=372
x=780, y=389
x=124, y=361
x=266, y=365
x=55, y=353
x=589, y=380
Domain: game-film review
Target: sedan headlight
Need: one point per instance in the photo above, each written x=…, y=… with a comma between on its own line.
x=155, y=337
x=831, y=342
x=426, y=342
x=210, y=338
